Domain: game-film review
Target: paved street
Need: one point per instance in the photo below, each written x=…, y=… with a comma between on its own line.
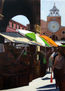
x=39, y=84
x=48, y=86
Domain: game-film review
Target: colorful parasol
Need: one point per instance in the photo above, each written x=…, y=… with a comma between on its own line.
x=31, y=36
x=43, y=40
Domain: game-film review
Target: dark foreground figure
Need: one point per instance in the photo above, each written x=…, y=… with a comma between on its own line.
x=59, y=70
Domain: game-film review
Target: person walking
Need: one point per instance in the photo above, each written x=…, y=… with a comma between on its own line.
x=59, y=70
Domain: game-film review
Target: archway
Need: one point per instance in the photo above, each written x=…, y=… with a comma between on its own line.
x=54, y=37
x=62, y=38
x=18, y=22
x=11, y=8
x=21, y=19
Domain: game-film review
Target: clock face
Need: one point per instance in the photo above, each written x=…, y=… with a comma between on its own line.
x=53, y=26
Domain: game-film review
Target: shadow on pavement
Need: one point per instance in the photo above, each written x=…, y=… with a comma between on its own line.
x=48, y=88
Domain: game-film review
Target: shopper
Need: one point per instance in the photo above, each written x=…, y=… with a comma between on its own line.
x=59, y=70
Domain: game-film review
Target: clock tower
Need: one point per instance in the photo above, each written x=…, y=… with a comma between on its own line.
x=53, y=20
x=52, y=27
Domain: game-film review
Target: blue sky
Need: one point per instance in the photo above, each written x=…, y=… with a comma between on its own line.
x=21, y=19
x=45, y=6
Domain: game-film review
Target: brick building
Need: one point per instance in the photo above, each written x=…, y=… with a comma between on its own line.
x=52, y=27
x=13, y=25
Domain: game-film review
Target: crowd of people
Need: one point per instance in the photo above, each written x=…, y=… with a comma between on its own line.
x=57, y=65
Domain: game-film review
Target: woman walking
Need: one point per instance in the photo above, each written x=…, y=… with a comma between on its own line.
x=59, y=70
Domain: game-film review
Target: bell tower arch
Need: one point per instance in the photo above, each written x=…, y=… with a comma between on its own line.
x=54, y=15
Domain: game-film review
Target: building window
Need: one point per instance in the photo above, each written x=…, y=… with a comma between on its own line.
x=12, y=25
x=19, y=26
x=63, y=32
x=23, y=28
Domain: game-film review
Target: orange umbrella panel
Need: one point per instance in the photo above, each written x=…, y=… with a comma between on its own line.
x=49, y=40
